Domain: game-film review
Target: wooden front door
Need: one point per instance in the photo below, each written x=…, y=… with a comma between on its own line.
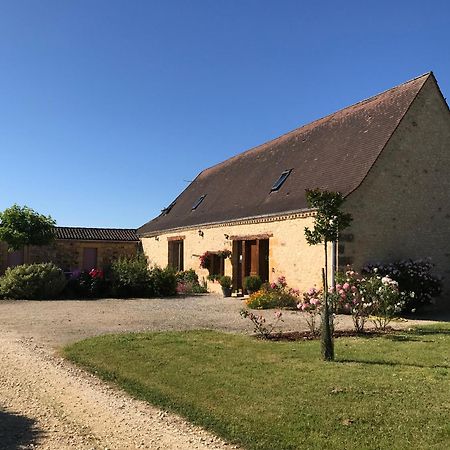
x=250, y=257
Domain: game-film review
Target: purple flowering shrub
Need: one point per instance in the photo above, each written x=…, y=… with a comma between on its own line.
x=413, y=277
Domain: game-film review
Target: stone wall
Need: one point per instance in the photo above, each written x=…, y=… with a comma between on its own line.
x=68, y=254
x=402, y=208
x=289, y=253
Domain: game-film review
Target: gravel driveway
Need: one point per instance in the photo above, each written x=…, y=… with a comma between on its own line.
x=47, y=403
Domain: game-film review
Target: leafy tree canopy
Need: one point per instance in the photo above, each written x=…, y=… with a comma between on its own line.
x=330, y=220
x=20, y=226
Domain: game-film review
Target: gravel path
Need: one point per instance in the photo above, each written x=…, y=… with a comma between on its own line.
x=47, y=403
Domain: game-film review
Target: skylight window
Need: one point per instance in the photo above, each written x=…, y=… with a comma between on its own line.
x=281, y=180
x=197, y=203
x=167, y=209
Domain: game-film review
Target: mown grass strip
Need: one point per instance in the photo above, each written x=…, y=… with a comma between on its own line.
x=384, y=392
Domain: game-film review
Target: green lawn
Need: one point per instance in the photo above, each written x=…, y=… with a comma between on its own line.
x=390, y=392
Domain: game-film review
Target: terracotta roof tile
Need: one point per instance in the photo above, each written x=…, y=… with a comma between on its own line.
x=335, y=153
x=97, y=234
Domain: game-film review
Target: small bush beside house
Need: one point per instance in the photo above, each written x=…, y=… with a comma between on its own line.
x=274, y=295
x=163, y=282
x=130, y=277
x=32, y=282
x=188, y=283
x=252, y=283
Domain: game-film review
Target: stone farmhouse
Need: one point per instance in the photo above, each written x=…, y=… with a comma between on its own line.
x=76, y=248
x=389, y=155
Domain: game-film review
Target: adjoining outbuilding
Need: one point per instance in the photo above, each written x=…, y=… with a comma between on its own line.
x=76, y=248
x=389, y=155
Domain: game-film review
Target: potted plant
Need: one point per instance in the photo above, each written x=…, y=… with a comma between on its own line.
x=252, y=283
x=225, y=282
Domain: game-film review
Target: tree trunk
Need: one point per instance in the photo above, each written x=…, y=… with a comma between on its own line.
x=333, y=264
x=327, y=336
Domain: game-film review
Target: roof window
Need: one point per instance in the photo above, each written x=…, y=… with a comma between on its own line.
x=281, y=180
x=197, y=203
x=167, y=209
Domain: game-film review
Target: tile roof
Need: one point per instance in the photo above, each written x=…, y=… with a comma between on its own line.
x=97, y=234
x=334, y=153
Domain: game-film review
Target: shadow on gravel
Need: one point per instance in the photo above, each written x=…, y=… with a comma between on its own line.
x=17, y=431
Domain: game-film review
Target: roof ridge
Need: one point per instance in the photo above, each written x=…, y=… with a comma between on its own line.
x=335, y=152
x=284, y=135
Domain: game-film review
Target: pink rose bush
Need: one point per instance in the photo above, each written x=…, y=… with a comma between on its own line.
x=374, y=298
x=311, y=304
x=260, y=326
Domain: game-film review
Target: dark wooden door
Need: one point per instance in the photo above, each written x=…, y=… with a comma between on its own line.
x=236, y=261
x=176, y=255
x=250, y=257
x=89, y=258
x=263, y=257
x=15, y=258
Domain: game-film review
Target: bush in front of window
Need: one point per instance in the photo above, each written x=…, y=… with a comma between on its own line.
x=32, y=282
x=130, y=277
x=163, y=282
x=188, y=283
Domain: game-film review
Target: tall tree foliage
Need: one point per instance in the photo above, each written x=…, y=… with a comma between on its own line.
x=328, y=223
x=21, y=226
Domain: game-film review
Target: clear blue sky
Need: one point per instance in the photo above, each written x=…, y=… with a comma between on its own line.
x=108, y=107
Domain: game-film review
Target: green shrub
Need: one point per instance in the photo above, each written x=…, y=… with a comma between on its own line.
x=188, y=283
x=252, y=283
x=130, y=277
x=225, y=281
x=32, y=282
x=163, y=282
x=274, y=295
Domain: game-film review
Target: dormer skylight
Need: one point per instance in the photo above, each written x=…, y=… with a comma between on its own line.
x=198, y=201
x=281, y=180
x=167, y=209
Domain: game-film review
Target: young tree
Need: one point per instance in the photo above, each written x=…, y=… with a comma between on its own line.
x=22, y=226
x=328, y=223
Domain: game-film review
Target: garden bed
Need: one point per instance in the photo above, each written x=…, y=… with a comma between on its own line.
x=309, y=336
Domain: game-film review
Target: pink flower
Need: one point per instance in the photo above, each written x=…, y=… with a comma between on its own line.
x=338, y=287
x=346, y=286
x=354, y=288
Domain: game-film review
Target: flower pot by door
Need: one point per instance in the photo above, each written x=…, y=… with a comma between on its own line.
x=226, y=291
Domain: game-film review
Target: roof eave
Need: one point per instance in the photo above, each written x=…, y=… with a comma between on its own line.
x=231, y=222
